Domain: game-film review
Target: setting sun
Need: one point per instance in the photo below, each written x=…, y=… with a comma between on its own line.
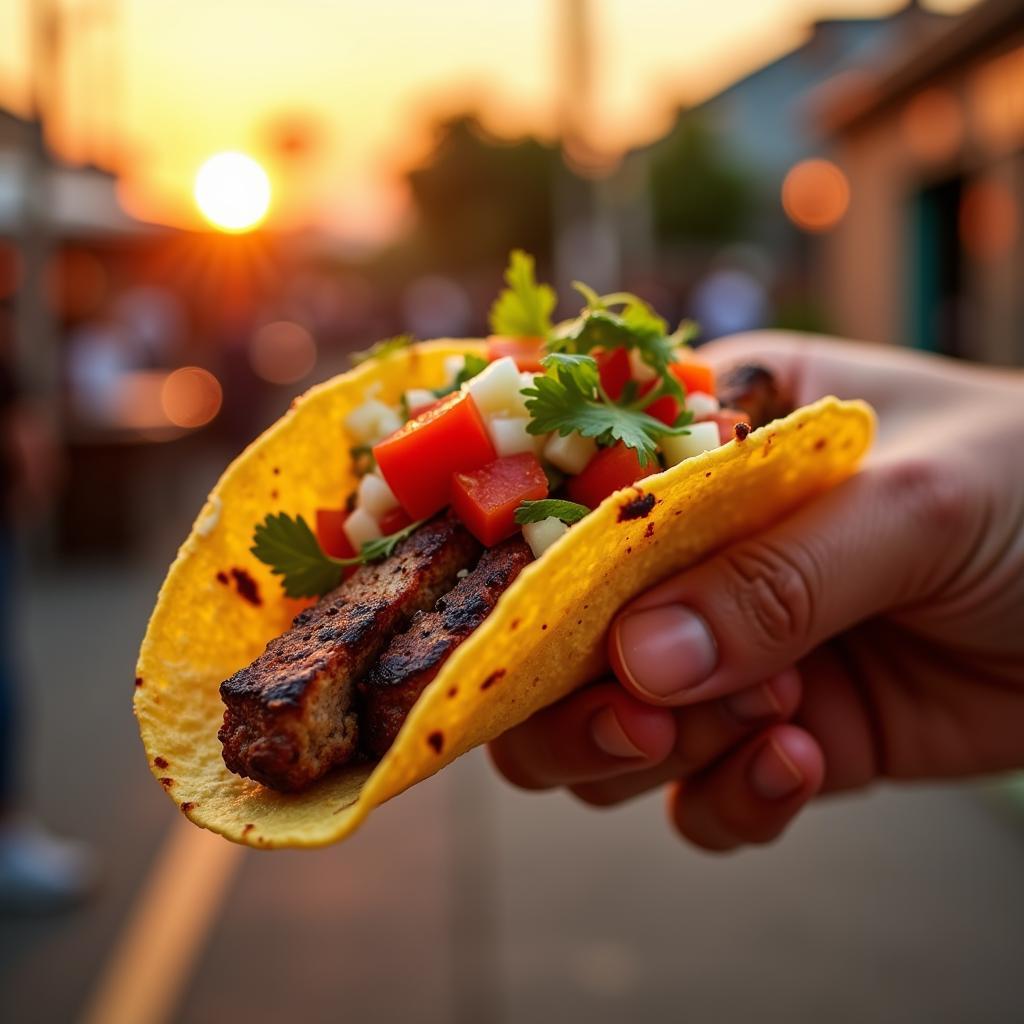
x=232, y=191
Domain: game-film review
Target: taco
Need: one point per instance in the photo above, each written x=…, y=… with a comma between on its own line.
x=480, y=510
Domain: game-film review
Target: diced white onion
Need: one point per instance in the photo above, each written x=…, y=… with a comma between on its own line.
x=374, y=496
x=372, y=421
x=453, y=366
x=527, y=377
x=638, y=369
x=570, y=453
x=496, y=389
x=416, y=398
x=361, y=527
x=510, y=436
x=540, y=536
x=701, y=438
x=701, y=404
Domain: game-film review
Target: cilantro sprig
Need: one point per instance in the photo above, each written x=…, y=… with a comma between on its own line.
x=624, y=320
x=471, y=366
x=383, y=348
x=292, y=551
x=524, y=308
x=550, y=508
x=569, y=397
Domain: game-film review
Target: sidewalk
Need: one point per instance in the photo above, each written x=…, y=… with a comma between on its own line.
x=465, y=900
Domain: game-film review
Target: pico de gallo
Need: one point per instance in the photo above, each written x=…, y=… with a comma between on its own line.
x=532, y=437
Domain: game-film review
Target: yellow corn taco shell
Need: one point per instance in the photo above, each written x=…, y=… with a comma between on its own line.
x=219, y=606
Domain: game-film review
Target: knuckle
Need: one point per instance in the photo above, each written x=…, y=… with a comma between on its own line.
x=773, y=589
x=931, y=491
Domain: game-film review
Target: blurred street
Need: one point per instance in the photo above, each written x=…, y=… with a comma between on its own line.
x=893, y=906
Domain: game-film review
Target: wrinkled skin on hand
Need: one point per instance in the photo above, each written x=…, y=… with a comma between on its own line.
x=878, y=633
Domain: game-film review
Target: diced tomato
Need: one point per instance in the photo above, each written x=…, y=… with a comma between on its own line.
x=419, y=410
x=486, y=499
x=330, y=532
x=418, y=460
x=727, y=420
x=609, y=470
x=665, y=409
x=394, y=520
x=614, y=370
x=527, y=352
x=693, y=374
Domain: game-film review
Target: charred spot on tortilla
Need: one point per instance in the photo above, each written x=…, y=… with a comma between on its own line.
x=742, y=431
x=248, y=589
x=222, y=577
x=160, y=762
x=166, y=782
x=436, y=741
x=276, y=471
x=496, y=675
x=636, y=508
x=187, y=806
x=820, y=443
x=649, y=531
x=138, y=682
x=249, y=826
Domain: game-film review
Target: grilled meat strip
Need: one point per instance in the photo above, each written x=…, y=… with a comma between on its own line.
x=414, y=658
x=753, y=389
x=291, y=715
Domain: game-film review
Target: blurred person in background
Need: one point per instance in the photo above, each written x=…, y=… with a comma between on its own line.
x=876, y=633
x=37, y=870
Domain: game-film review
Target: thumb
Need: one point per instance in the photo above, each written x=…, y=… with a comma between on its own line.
x=882, y=539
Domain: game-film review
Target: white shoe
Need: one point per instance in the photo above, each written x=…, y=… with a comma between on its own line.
x=39, y=872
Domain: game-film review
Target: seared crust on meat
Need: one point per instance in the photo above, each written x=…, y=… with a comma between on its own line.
x=290, y=715
x=414, y=657
x=753, y=389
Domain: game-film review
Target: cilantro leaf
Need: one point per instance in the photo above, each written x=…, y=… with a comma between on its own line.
x=292, y=551
x=381, y=349
x=550, y=508
x=471, y=366
x=524, y=308
x=569, y=398
x=382, y=547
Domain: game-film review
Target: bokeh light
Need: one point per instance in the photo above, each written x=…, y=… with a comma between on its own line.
x=232, y=191
x=190, y=396
x=989, y=220
x=815, y=195
x=282, y=352
x=933, y=124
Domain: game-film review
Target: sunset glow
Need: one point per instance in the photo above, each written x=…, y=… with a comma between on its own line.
x=232, y=192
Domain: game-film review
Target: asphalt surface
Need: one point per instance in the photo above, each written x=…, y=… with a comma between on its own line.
x=465, y=901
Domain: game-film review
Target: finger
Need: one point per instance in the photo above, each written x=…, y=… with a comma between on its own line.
x=753, y=794
x=808, y=367
x=704, y=734
x=592, y=734
x=891, y=534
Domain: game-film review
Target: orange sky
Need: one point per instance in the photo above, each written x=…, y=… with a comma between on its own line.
x=176, y=81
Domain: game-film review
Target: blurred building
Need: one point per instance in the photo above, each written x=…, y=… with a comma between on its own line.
x=704, y=210
x=930, y=251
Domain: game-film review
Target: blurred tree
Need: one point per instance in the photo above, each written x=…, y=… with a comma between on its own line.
x=477, y=197
x=698, y=192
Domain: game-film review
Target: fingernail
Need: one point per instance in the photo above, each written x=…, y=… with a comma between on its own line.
x=666, y=650
x=754, y=703
x=609, y=736
x=773, y=775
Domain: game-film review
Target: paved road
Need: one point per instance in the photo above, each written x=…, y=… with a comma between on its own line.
x=467, y=901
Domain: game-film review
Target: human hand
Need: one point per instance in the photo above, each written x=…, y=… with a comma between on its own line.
x=878, y=632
